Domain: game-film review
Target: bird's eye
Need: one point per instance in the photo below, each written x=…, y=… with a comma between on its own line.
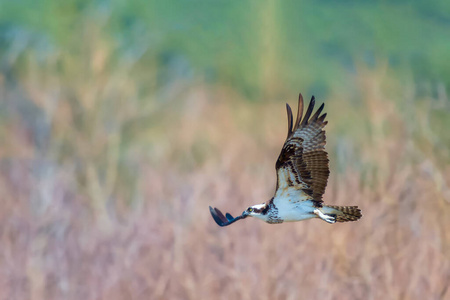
x=250, y=209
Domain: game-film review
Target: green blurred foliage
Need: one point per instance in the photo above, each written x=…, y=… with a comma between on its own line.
x=262, y=48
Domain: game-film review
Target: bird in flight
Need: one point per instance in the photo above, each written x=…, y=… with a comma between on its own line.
x=302, y=175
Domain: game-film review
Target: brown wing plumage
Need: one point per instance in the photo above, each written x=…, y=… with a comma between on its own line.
x=303, y=161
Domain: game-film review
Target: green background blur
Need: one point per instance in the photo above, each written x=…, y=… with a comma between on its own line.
x=260, y=48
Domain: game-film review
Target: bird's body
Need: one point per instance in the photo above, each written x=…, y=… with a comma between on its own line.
x=302, y=175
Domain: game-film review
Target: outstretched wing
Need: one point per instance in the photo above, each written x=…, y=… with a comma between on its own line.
x=303, y=161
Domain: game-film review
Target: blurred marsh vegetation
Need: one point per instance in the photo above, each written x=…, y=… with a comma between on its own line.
x=121, y=121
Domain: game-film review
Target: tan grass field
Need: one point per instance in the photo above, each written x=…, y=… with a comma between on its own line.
x=105, y=192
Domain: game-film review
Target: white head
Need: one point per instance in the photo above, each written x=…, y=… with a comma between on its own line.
x=258, y=211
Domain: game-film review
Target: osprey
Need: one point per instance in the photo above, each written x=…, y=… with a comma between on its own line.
x=302, y=175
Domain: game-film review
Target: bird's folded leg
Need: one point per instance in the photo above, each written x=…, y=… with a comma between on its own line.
x=326, y=218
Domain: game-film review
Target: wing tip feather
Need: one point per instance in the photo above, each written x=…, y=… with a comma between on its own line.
x=289, y=115
x=310, y=109
x=299, y=111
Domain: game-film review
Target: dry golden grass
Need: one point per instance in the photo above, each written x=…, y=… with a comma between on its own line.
x=105, y=192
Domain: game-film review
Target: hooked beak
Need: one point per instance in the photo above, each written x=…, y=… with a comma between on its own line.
x=221, y=220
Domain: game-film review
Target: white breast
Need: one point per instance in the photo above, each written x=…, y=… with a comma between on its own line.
x=293, y=205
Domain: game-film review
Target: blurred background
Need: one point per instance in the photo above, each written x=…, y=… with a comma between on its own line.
x=122, y=121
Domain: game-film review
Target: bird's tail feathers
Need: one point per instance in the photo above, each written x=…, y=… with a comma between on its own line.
x=343, y=213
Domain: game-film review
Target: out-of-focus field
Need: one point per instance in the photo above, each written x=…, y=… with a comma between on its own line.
x=108, y=166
